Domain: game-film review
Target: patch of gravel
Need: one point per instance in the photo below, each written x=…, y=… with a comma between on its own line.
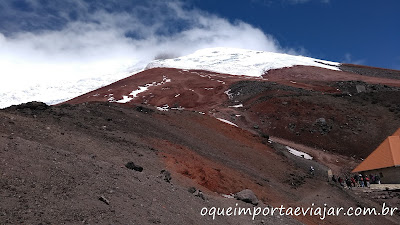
x=244, y=89
x=353, y=87
x=371, y=71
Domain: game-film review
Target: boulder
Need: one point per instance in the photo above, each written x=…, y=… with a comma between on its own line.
x=247, y=196
x=199, y=193
x=192, y=190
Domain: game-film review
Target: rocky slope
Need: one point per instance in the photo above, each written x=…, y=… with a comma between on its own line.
x=69, y=164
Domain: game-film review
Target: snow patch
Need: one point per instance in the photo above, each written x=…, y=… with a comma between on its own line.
x=228, y=93
x=228, y=196
x=126, y=99
x=134, y=93
x=236, y=106
x=178, y=108
x=228, y=122
x=299, y=153
x=163, y=108
x=220, y=81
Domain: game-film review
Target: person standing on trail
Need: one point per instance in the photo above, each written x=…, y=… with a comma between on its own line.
x=340, y=181
x=353, y=182
x=311, y=170
x=334, y=179
x=361, y=180
x=348, y=183
x=357, y=180
x=378, y=179
x=366, y=181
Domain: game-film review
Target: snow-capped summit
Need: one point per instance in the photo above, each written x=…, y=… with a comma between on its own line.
x=221, y=60
x=239, y=61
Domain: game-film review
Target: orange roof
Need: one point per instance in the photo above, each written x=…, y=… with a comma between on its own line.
x=397, y=133
x=386, y=155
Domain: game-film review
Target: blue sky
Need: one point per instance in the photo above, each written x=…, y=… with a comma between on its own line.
x=127, y=32
x=364, y=32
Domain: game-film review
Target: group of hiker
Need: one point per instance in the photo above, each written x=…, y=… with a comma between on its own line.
x=358, y=180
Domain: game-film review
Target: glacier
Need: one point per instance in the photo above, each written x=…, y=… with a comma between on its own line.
x=240, y=61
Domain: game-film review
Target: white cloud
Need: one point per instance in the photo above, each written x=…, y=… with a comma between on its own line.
x=348, y=58
x=95, y=50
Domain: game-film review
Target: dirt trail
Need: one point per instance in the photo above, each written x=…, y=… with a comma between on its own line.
x=339, y=164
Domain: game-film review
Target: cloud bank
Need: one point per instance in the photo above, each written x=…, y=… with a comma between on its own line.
x=68, y=48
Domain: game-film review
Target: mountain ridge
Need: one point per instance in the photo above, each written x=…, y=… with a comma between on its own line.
x=134, y=150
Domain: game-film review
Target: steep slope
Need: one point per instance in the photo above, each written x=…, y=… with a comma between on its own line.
x=196, y=90
x=285, y=103
x=65, y=164
x=57, y=162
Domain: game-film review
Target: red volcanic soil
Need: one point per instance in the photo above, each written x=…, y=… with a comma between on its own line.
x=221, y=157
x=315, y=78
x=355, y=111
x=308, y=73
x=204, y=90
x=199, y=90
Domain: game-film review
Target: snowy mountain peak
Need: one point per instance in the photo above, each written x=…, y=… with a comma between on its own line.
x=239, y=61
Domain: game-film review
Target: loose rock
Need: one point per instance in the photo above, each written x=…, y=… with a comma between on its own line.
x=132, y=166
x=166, y=175
x=104, y=199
